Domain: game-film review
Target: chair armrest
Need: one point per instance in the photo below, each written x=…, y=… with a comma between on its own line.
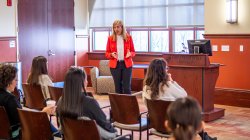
x=107, y=106
x=94, y=73
x=123, y=136
x=137, y=93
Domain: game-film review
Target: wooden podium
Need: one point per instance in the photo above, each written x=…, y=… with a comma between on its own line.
x=198, y=77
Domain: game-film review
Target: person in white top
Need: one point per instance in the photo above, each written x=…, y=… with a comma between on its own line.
x=39, y=75
x=159, y=85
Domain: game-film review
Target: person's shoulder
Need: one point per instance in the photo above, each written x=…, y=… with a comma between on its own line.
x=128, y=35
x=110, y=37
x=7, y=95
x=44, y=76
x=88, y=98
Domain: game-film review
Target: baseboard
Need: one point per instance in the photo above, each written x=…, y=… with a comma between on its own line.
x=232, y=97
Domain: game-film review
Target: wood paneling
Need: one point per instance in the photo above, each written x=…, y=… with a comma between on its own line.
x=8, y=54
x=32, y=35
x=235, y=73
x=61, y=37
x=233, y=97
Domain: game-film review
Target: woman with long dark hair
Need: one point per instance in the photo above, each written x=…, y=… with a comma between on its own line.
x=39, y=75
x=75, y=103
x=158, y=83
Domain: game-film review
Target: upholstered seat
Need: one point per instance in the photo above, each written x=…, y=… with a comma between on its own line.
x=101, y=78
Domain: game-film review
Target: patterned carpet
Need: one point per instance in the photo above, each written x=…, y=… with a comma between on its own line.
x=234, y=125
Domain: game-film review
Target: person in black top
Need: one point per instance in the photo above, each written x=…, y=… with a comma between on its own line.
x=8, y=82
x=75, y=103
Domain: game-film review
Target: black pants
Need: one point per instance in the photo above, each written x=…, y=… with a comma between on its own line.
x=122, y=78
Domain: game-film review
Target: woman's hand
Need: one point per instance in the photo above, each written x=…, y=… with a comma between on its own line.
x=128, y=54
x=169, y=77
x=50, y=110
x=114, y=55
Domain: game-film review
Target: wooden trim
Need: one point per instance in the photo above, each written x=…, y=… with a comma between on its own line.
x=7, y=38
x=82, y=36
x=232, y=97
x=139, y=57
x=226, y=36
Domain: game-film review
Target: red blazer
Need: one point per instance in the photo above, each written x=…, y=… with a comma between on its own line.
x=112, y=47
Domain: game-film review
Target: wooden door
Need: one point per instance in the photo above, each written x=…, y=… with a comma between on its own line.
x=61, y=37
x=32, y=32
x=46, y=25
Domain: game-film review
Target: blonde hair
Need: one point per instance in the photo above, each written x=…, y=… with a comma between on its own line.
x=124, y=32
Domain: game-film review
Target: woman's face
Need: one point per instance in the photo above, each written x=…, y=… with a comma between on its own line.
x=118, y=29
x=12, y=85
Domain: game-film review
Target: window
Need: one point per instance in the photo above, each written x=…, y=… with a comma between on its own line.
x=140, y=39
x=142, y=13
x=100, y=40
x=180, y=40
x=175, y=23
x=159, y=41
x=152, y=39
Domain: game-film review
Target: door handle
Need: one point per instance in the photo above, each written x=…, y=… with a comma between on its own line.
x=50, y=53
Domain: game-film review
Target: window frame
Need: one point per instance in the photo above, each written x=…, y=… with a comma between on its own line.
x=170, y=30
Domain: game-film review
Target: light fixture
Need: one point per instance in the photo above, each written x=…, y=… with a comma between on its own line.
x=232, y=11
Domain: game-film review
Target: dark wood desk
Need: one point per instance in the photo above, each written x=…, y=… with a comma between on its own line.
x=141, y=66
x=198, y=77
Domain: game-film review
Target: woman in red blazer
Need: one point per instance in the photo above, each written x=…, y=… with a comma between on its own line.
x=120, y=50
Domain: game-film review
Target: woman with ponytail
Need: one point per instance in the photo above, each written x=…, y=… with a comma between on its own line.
x=184, y=119
x=75, y=103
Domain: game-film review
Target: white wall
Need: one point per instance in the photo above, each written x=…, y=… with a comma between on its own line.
x=8, y=21
x=215, y=18
x=81, y=17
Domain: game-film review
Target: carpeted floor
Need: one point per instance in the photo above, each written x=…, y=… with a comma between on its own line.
x=234, y=125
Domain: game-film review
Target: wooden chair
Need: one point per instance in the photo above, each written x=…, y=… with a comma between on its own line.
x=34, y=125
x=55, y=92
x=5, y=128
x=82, y=130
x=157, y=116
x=125, y=113
x=33, y=96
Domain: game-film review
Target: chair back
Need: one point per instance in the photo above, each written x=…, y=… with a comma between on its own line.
x=157, y=114
x=124, y=108
x=34, y=125
x=80, y=129
x=33, y=96
x=104, y=69
x=55, y=92
x=5, y=129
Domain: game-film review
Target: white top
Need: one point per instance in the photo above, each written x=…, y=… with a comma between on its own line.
x=45, y=81
x=120, y=47
x=169, y=93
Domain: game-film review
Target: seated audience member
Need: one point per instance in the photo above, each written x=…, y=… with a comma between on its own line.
x=8, y=82
x=75, y=103
x=39, y=75
x=159, y=85
x=184, y=119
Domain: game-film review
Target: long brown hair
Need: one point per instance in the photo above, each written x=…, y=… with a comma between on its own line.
x=124, y=32
x=184, y=118
x=156, y=75
x=38, y=67
x=71, y=102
